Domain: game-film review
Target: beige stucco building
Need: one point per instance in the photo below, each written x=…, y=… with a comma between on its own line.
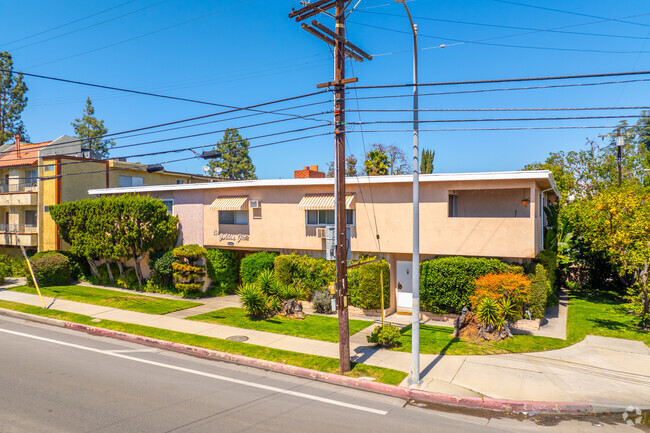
x=476, y=214
x=34, y=177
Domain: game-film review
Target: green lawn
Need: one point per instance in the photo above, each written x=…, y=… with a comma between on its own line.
x=587, y=316
x=314, y=327
x=319, y=363
x=111, y=298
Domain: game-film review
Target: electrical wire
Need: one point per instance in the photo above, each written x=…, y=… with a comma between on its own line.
x=512, y=119
x=407, y=110
x=520, y=128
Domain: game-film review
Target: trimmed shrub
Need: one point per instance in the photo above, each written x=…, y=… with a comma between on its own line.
x=322, y=302
x=50, y=268
x=539, y=289
x=447, y=282
x=548, y=259
x=311, y=273
x=514, y=288
x=162, y=272
x=387, y=336
x=223, y=270
x=6, y=268
x=364, y=290
x=253, y=264
x=129, y=281
x=188, y=271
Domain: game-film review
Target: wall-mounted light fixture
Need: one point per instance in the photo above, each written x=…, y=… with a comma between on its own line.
x=524, y=202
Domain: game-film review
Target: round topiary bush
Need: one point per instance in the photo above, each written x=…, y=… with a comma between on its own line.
x=50, y=269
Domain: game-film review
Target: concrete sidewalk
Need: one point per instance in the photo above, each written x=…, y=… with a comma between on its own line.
x=603, y=371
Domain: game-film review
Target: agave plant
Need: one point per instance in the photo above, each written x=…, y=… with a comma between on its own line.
x=488, y=313
x=265, y=279
x=510, y=311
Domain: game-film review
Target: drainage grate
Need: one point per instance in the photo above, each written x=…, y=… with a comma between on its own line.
x=237, y=338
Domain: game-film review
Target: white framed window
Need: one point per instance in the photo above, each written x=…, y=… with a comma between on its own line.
x=169, y=203
x=31, y=177
x=239, y=217
x=326, y=217
x=126, y=181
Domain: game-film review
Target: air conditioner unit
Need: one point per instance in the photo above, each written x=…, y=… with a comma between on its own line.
x=254, y=204
x=321, y=233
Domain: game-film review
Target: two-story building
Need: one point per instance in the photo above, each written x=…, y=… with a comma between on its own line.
x=35, y=176
x=475, y=214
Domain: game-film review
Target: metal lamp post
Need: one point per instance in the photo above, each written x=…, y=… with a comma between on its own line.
x=415, y=311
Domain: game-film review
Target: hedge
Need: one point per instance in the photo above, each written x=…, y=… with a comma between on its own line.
x=447, y=282
x=252, y=265
x=548, y=259
x=539, y=289
x=162, y=272
x=51, y=268
x=364, y=289
x=310, y=273
x=223, y=270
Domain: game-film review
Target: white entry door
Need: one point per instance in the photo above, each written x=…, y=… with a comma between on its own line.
x=404, y=284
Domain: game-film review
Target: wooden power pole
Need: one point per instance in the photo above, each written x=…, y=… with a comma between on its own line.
x=342, y=48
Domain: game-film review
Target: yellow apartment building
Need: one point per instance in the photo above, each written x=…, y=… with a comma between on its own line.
x=35, y=176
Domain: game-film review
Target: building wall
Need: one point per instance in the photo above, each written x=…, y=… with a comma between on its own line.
x=188, y=207
x=282, y=226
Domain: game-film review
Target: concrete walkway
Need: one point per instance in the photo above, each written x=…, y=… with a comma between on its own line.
x=602, y=371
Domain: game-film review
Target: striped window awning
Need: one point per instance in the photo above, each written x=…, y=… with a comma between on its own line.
x=324, y=202
x=239, y=202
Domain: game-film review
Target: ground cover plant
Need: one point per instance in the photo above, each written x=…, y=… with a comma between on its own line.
x=319, y=363
x=111, y=298
x=314, y=327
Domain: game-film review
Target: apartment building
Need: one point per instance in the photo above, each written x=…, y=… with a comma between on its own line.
x=35, y=176
x=475, y=214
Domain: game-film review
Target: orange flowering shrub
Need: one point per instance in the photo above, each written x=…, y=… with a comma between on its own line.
x=515, y=288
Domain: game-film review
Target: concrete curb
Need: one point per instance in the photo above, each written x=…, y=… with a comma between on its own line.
x=492, y=404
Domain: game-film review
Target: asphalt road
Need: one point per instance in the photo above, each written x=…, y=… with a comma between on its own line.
x=57, y=380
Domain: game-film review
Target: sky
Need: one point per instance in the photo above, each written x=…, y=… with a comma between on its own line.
x=241, y=53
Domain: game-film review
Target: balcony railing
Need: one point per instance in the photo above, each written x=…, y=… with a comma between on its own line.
x=18, y=228
x=23, y=187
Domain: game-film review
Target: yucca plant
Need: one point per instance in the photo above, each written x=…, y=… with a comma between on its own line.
x=254, y=300
x=510, y=311
x=488, y=312
x=265, y=279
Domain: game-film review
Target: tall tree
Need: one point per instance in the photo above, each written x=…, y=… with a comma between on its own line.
x=376, y=163
x=350, y=167
x=426, y=161
x=235, y=162
x=397, y=163
x=91, y=131
x=12, y=100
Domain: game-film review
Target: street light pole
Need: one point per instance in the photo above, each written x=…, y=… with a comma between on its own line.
x=414, y=379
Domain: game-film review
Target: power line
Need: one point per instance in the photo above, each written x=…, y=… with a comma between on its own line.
x=507, y=89
x=142, y=35
x=139, y=92
x=567, y=12
x=512, y=119
x=520, y=128
x=67, y=24
x=506, y=80
x=87, y=27
x=407, y=110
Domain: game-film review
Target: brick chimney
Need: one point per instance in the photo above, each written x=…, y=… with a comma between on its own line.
x=17, y=140
x=308, y=172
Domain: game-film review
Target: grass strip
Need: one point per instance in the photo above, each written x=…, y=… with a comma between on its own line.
x=313, y=362
x=314, y=327
x=111, y=298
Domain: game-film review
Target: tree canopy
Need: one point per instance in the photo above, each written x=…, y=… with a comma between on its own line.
x=91, y=131
x=12, y=100
x=235, y=162
x=376, y=163
x=350, y=167
x=426, y=161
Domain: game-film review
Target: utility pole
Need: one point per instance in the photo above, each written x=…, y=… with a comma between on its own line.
x=620, y=141
x=342, y=48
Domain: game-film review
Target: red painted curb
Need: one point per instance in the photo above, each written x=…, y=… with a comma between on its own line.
x=500, y=405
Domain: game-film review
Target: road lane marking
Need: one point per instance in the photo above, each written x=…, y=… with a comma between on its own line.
x=201, y=373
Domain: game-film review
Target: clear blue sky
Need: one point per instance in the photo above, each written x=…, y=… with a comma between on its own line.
x=246, y=52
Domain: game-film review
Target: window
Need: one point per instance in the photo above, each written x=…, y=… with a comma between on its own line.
x=326, y=217
x=179, y=181
x=31, y=177
x=49, y=167
x=453, y=205
x=233, y=217
x=30, y=218
x=131, y=181
x=169, y=202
